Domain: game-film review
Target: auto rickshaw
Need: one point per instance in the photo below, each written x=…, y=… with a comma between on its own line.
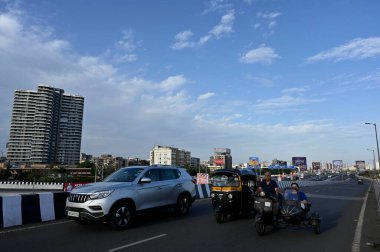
x=232, y=192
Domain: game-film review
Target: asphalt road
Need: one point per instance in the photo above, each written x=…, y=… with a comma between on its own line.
x=338, y=204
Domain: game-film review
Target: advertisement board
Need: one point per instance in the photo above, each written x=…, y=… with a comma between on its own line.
x=68, y=186
x=360, y=165
x=300, y=162
x=316, y=165
x=254, y=162
x=202, y=178
x=337, y=164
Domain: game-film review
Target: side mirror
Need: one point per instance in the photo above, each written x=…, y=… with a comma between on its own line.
x=145, y=180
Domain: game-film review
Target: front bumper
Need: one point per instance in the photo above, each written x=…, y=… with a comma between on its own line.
x=74, y=213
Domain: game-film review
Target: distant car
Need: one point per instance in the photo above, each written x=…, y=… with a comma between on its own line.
x=360, y=181
x=131, y=190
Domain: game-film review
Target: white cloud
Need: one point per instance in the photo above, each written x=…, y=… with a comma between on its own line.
x=182, y=40
x=283, y=102
x=225, y=25
x=270, y=15
x=217, y=6
x=206, y=96
x=173, y=82
x=263, y=54
x=355, y=49
x=294, y=90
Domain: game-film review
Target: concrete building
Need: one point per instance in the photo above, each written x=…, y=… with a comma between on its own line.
x=46, y=127
x=165, y=155
x=222, y=158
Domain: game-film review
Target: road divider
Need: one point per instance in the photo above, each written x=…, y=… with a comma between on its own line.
x=31, y=208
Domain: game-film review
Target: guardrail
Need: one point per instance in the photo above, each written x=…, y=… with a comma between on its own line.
x=30, y=185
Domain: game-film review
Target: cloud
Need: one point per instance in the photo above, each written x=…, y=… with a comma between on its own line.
x=173, y=82
x=355, y=49
x=183, y=40
x=283, y=102
x=267, y=22
x=206, y=96
x=269, y=16
x=126, y=47
x=225, y=25
x=216, y=6
x=294, y=90
x=263, y=55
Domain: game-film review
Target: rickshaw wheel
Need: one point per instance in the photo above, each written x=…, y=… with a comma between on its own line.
x=220, y=217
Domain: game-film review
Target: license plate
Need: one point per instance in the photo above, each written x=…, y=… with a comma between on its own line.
x=73, y=214
x=267, y=204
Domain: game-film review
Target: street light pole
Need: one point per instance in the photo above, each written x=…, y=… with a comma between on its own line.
x=377, y=144
x=374, y=160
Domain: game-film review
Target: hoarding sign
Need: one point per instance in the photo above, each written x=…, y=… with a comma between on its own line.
x=300, y=162
x=360, y=165
x=338, y=164
x=254, y=162
x=316, y=165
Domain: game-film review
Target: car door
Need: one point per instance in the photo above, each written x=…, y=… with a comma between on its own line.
x=150, y=195
x=171, y=185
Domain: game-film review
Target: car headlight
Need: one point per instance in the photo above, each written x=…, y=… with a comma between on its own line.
x=230, y=196
x=101, y=194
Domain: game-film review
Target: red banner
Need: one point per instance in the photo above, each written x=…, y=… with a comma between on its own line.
x=68, y=186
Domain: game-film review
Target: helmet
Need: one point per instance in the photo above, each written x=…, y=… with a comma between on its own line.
x=295, y=186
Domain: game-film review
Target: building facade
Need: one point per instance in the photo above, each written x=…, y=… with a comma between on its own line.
x=46, y=127
x=222, y=158
x=165, y=155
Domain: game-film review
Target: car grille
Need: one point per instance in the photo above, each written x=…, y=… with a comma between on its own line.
x=78, y=198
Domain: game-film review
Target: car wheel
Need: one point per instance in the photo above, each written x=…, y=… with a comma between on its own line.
x=121, y=216
x=183, y=205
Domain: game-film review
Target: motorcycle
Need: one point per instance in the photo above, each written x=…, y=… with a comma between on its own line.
x=294, y=212
x=266, y=209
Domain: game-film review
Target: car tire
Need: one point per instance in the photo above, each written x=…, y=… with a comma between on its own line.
x=183, y=205
x=121, y=216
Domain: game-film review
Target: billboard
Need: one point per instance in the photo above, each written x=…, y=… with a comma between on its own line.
x=360, y=165
x=254, y=161
x=300, y=162
x=218, y=160
x=316, y=165
x=337, y=164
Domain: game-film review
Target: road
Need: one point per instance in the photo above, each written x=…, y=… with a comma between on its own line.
x=338, y=204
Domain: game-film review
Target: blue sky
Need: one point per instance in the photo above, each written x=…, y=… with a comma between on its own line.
x=266, y=78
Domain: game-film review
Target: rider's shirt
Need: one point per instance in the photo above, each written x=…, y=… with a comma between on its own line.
x=298, y=196
x=269, y=189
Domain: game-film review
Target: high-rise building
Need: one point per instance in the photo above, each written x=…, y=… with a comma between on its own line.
x=222, y=157
x=46, y=127
x=165, y=155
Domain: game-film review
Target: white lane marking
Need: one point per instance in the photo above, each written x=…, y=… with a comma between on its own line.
x=135, y=243
x=359, y=226
x=34, y=227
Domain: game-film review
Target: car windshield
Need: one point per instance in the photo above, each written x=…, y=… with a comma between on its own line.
x=291, y=194
x=225, y=180
x=124, y=175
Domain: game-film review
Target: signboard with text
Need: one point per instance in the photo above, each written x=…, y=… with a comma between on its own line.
x=300, y=162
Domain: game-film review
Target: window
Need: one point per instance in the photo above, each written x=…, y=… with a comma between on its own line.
x=170, y=174
x=153, y=174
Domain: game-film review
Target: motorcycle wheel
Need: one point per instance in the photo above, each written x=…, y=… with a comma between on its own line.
x=260, y=228
x=316, y=229
x=219, y=217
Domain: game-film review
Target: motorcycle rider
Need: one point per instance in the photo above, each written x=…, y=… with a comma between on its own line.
x=270, y=187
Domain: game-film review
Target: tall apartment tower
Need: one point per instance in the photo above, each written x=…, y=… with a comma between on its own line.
x=222, y=157
x=46, y=127
x=165, y=155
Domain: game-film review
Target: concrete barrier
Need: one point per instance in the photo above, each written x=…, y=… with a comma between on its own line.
x=20, y=185
x=31, y=208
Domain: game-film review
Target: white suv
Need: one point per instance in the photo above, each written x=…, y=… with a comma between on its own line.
x=129, y=191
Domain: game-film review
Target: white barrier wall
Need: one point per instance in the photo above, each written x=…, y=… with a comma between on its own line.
x=30, y=185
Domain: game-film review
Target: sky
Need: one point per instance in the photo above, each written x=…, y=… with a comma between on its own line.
x=265, y=78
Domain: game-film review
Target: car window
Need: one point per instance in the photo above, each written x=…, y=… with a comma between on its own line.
x=153, y=174
x=170, y=174
x=124, y=175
